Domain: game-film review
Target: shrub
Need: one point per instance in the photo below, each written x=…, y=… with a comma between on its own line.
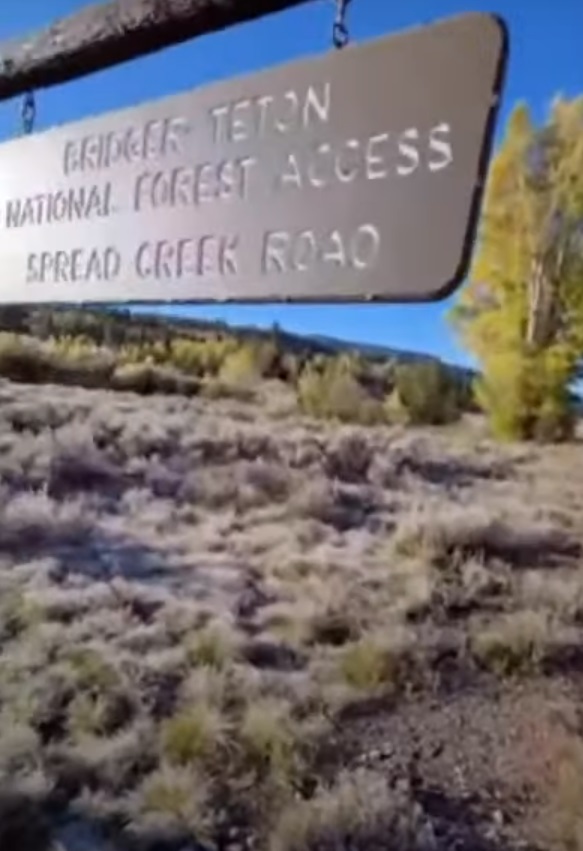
x=23, y=360
x=334, y=392
x=349, y=458
x=248, y=364
x=213, y=354
x=146, y=379
x=429, y=393
x=214, y=389
x=527, y=396
x=189, y=356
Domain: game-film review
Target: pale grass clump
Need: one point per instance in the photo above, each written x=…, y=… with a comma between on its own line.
x=479, y=579
x=193, y=735
x=103, y=625
x=117, y=758
x=145, y=638
x=402, y=587
x=47, y=640
x=36, y=519
x=378, y=661
x=560, y=591
x=515, y=643
x=440, y=533
x=215, y=645
x=205, y=684
x=39, y=700
x=94, y=666
x=35, y=573
x=175, y=799
x=58, y=603
x=100, y=712
x=172, y=662
x=359, y=811
x=288, y=620
x=268, y=737
x=18, y=613
x=231, y=688
x=20, y=750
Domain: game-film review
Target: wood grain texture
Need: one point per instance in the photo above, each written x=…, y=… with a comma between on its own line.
x=107, y=34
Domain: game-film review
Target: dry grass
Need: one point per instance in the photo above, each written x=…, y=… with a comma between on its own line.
x=194, y=595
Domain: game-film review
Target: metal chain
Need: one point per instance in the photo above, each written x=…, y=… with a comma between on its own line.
x=340, y=35
x=28, y=113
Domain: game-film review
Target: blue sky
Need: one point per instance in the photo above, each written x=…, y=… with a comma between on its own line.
x=546, y=57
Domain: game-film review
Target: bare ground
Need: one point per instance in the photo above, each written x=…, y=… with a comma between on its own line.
x=225, y=626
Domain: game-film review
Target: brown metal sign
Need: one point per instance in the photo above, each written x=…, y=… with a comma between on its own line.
x=355, y=175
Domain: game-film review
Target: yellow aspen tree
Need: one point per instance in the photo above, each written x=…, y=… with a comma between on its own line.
x=521, y=312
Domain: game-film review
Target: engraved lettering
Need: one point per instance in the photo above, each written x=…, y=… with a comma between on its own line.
x=256, y=117
x=305, y=250
x=275, y=250
x=204, y=257
x=220, y=116
x=409, y=151
x=287, y=119
x=379, y=157
x=264, y=104
x=365, y=247
x=376, y=166
x=347, y=168
x=76, y=266
x=228, y=260
x=193, y=186
x=156, y=139
x=80, y=203
x=317, y=102
x=322, y=151
x=241, y=128
x=293, y=174
x=440, y=146
x=204, y=187
x=335, y=251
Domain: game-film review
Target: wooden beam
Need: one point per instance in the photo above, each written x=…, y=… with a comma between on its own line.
x=107, y=34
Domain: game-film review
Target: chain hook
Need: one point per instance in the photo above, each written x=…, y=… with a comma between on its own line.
x=28, y=113
x=340, y=35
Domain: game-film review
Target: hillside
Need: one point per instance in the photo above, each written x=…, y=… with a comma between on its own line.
x=228, y=624
x=322, y=344
x=28, y=320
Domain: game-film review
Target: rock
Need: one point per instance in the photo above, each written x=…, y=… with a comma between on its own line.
x=265, y=654
x=80, y=836
x=498, y=818
x=23, y=824
x=387, y=752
